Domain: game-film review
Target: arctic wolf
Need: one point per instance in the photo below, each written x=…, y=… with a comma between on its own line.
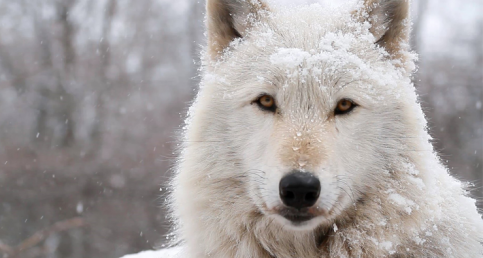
x=307, y=140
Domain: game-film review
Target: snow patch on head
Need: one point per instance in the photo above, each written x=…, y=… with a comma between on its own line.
x=289, y=57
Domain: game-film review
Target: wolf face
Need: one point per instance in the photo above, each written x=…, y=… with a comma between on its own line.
x=306, y=140
x=309, y=104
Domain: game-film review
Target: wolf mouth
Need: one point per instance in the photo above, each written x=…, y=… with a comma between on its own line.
x=298, y=218
x=295, y=216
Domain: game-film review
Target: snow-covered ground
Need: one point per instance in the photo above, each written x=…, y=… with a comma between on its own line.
x=164, y=253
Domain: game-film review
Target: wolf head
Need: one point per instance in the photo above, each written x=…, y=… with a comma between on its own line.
x=306, y=140
x=300, y=112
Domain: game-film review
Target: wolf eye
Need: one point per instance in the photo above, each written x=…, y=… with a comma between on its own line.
x=344, y=106
x=266, y=102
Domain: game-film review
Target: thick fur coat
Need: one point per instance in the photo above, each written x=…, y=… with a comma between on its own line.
x=384, y=191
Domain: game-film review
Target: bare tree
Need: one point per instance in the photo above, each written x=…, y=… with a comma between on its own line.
x=105, y=83
x=422, y=6
x=16, y=76
x=55, y=102
x=66, y=72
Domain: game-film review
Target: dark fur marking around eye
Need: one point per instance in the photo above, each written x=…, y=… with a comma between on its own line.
x=344, y=106
x=266, y=102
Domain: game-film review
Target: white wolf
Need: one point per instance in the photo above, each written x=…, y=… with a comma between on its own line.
x=307, y=140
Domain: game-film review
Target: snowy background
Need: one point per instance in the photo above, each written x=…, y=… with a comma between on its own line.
x=92, y=93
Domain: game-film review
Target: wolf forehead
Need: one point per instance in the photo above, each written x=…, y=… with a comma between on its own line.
x=314, y=45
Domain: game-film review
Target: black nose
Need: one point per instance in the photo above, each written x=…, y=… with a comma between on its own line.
x=299, y=189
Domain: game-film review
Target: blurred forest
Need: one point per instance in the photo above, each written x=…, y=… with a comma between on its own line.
x=93, y=92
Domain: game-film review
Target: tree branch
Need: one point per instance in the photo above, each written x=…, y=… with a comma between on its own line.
x=42, y=235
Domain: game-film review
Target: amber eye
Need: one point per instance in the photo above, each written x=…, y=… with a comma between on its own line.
x=266, y=102
x=344, y=106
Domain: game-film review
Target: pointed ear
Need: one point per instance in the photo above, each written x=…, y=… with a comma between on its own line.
x=390, y=24
x=227, y=20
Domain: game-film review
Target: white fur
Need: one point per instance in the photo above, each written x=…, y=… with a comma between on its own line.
x=384, y=192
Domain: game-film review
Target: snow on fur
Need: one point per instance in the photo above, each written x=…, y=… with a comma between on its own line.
x=384, y=191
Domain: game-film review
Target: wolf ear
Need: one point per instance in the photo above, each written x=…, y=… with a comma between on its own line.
x=227, y=20
x=390, y=24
